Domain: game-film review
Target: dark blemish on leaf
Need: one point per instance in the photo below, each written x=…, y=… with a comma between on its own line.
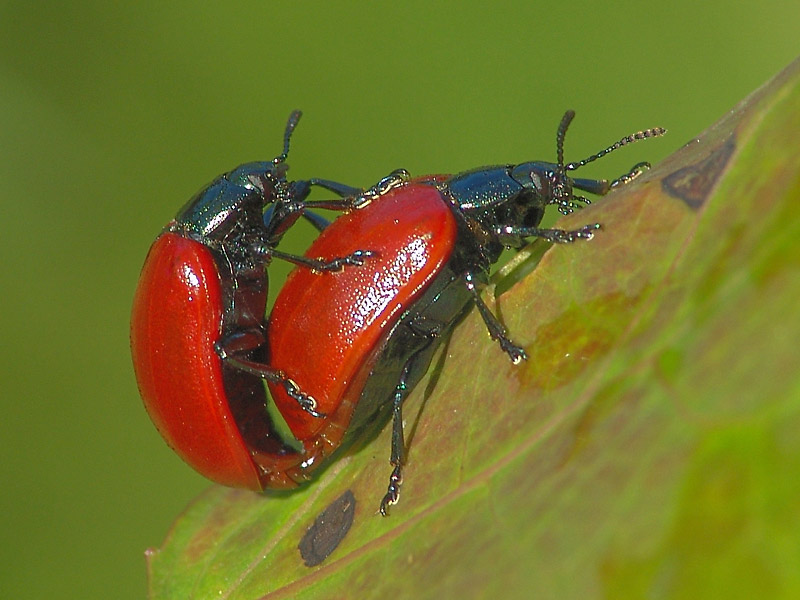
x=328, y=530
x=694, y=183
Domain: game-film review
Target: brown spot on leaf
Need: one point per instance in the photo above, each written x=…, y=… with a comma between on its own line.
x=694, y=183
x=328, y=530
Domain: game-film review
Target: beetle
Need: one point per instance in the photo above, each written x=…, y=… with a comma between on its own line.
x=197, y=325
x=361, y=339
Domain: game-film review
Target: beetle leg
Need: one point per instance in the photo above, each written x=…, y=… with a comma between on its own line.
x=353, y=197
x=356, y=258
x=398, y=457
x=301, y=189
x=427, y=330
x=233, y=349
x=598, y=187
x=496, y=330
x=556, y=236
x=398, y=445
x=340, y=189
x=318, y=221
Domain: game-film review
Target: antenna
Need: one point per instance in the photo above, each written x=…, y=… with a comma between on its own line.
x=634, y=137
x=287, y=135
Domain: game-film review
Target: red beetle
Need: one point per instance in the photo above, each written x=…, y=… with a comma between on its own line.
x=359, y=340
x=197, y=328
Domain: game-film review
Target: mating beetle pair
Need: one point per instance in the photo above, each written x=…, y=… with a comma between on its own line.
x=356, y=340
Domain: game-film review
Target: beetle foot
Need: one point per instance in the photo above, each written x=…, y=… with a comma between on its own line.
x=393, y=180
x=306, y=402
x=393, y=492
x=635, y=172
x=516, y=353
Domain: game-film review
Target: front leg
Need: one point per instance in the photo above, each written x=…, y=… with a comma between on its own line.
x=355, y=198
x=556, y=236
x=356, y=259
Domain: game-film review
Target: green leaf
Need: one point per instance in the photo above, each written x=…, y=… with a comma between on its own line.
x=648, y=448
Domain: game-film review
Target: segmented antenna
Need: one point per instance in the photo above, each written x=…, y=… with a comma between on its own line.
x=287, y=135
x=634, y=137
x=560, y=134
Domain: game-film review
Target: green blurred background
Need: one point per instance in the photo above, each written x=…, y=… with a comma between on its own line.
x=112, y=117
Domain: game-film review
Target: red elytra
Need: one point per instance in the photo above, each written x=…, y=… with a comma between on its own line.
x=328, y=330
x=177, y=317
x=211, y=414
